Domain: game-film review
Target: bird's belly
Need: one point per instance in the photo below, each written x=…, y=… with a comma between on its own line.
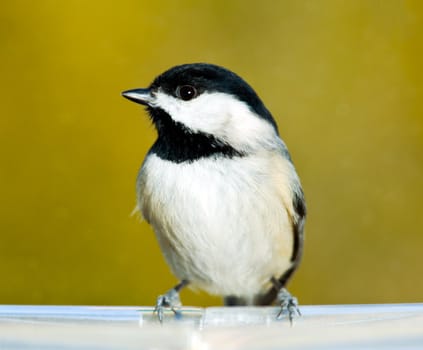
x=221, y=230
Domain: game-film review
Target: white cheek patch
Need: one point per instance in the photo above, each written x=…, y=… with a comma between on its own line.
x=206, y=113
x=221, y=115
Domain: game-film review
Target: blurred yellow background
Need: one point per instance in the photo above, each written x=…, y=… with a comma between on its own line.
x=342, y=78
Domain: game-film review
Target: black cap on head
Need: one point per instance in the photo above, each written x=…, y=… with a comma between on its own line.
x=211, y=78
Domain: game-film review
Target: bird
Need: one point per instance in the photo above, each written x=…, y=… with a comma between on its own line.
x=220, y=190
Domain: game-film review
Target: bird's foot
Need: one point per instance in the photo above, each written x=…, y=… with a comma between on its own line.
x=170, y=300
x=289, y=305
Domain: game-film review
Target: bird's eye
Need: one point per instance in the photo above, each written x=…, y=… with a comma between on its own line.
x=186, y=92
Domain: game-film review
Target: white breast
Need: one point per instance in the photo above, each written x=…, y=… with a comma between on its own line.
x=223, y=225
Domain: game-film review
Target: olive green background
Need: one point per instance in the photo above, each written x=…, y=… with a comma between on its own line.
x=342, y=78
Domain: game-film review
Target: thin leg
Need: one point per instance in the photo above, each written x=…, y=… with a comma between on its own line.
x=288, y=303
x=170, y=300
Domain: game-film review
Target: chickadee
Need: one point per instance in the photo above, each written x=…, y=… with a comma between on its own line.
x=219, y=189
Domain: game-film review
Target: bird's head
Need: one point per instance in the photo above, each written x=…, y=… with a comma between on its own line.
x=210, y=102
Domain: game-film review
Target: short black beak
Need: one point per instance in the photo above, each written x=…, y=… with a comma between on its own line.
x=141, y=96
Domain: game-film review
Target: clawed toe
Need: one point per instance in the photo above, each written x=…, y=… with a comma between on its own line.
x=289, y=305
x=170, y=300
